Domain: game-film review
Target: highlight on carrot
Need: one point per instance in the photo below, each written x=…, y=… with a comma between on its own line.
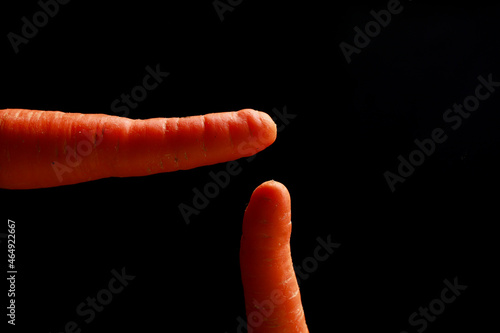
x=272, y=296
x=41, y=149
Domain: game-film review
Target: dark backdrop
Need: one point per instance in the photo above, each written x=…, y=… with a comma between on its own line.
x=344, y=121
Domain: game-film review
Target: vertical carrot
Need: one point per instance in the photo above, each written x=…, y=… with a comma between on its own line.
x=51, y=148
x=272, y=296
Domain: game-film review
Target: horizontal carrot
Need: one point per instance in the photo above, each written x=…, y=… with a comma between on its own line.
x=272, y=296
x=41, y=149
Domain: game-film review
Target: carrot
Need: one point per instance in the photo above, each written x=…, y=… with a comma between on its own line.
x=272, y=296
x=41, y=149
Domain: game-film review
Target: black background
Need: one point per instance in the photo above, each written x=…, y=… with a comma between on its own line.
x=351, y=122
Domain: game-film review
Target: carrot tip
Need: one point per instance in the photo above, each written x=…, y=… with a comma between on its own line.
x=270, y=201
x=272, y=190
x=264, y=126
x=270, y=128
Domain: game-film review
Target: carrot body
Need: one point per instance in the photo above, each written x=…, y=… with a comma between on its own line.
x=50, y=148
x=272, y=296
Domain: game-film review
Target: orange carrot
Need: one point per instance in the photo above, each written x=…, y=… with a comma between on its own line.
x=50, y=148
x=272, y=296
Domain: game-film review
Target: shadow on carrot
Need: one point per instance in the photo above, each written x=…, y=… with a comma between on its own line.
x=40, y=149
x=272, y=296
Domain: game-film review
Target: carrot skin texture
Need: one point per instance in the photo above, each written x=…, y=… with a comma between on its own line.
x=40, y=149
x=269, y=281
